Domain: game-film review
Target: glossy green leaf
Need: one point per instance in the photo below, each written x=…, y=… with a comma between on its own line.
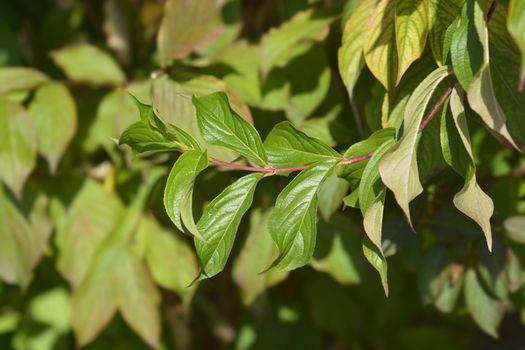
x=171, y=261
x=188, y=25
x=398, y=168
x=471, y=200
x=411, y=27
x=17, y=145
x=286, y=147
x=486, y=311
x=380, y=43
x=221, y=126
x=516, y=26
x=88, y=63
x=143, y=139
x=20, y=78
x=78, y=241
x=178, y=194
x=220, y=221
x=278, y=42
x=441, y=15
x=350, y=55
x=293, y=221
x=54, y=115
x=257, y=253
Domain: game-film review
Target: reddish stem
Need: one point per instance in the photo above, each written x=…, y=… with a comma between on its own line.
x=352, y=160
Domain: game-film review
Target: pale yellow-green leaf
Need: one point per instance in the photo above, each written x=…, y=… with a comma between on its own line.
x=350, y=55
x=471, y=200
x=411, y=32
x=188, y=25
x=480, y=94
x=20, y=78
x=373, y=220
x=380, y=43
x=257, y=253
x=17, y=145
x=54, y=115
x=516, y=27
x=398, y=168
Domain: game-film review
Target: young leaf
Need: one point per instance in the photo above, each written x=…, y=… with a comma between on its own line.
x=516, y=26
x=380, y=43
x=377, y=260
x=178, y=194
x=411, y=26
x=220, y=221
x=471, y=200
x=20, y=78
x=350, y=55
x=293, y=221
x=287, y=147
x=398, y=168
x=84, y=62
x=257, y=253
x=373, y=220
x=17, y=145
x=486, y=311
x=142, y=138
x=277, y=43
x=54, y=115
x=221, y=126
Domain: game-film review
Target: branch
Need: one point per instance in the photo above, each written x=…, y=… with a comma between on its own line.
x=271, y=171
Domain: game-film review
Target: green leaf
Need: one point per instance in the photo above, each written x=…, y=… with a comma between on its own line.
x=454, y=152
x=353, y=172
x=398, y=168
x=88, y=63
x=188, y=25
x=178, y=194
x=278, y=42
x=220, y=221
x=377, y=260
x=516, y=26
x=221, y=126
x=370, y=184
x=77, y=241
x=137, y=298
x=492, y=269
x=170, y=260
x=486, y=311
x=142, y=138
x=337, y=251
x=435, y=273
x=380, y=45
x=515, y=228
x=480, y=90
x=287, y=147
x=331, y=194
x=54, y=115
x=148, y=115
x=467, y=49
x=441, y=15
x=257, y=253
x=411, y=27
x=17, y=145
x=293, y=221
x=471, y=200
x=20, y=79
x=373, y=220
x=21, y=244
x=350, y=55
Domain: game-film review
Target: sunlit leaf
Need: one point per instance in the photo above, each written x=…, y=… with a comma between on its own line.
x=178, y=194
x=220, y=221
x=398, y=168
x=293, y=221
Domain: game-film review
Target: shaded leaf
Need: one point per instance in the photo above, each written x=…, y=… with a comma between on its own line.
x=441, y=16
x=515, y=228
x=516, y=26
x=377, y=260
x=20, y=78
